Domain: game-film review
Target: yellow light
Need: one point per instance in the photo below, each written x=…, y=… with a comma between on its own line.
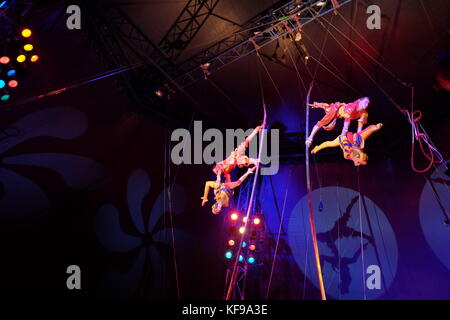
x=231, y=243
x=244, y=219
x=34, y=58
x=234, y=216
x=321, y=3
x=257, y=221
x=21, y=58
x=241, y=230
x=26, y=33
x=28, y=47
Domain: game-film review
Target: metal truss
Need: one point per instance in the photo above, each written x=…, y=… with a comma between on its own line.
x=260, y=32
x=186, y=26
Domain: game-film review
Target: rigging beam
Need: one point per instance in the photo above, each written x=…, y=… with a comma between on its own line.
x=186, y=26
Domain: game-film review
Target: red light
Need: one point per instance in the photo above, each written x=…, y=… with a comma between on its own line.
x=234, y=216
x=256, y=221
x=13, y=83
x=252, y=247
x=231, y=242
x=4, y=60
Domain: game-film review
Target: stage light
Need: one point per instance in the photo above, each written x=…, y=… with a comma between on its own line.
x=244, y=244
x=5, y=97
x=26, y=33
x=241, y=230
x=2, y=84
x=252, y=247
x=3, y=3
x=321, y=3
x=234, y=216
x=228, y=255
x=34, y=58
x=251, y=260
x=13, y=83
x=28, y=47
x=244, y=219
x=159, y=93
x=21, y=58
x=11, y=72
x=4, y=60
x=241, y=258
x=256, y=221
x=231, y=242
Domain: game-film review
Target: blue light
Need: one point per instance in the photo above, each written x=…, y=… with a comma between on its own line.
x=228, y=255
x=10, y=73
x=241, y=258
x=3, y=4
x=244, y=244
x=2, y=84
x=251, y=260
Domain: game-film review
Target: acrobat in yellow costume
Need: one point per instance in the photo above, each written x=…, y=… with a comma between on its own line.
x=352, y=144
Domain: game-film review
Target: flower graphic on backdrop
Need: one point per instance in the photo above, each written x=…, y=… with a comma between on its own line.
x=146, y=243
x=77, y=172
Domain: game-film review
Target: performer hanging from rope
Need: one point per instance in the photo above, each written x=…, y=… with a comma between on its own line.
x=236, y=158
x=334, y=111
x=352, y=144
x=223, y=191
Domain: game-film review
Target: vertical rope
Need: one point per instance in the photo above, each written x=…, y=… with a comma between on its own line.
x=311, y=213
x=250, y=205
x=363, y=265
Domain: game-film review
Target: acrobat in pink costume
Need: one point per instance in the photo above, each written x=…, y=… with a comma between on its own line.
x=236, y=158
x=334, y=111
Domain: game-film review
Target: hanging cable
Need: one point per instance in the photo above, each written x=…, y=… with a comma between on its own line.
x=311, y=213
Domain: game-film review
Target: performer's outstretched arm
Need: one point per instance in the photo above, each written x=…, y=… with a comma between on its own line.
x=238, y=182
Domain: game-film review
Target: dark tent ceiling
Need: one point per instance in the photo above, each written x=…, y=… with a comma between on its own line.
x=412, y=34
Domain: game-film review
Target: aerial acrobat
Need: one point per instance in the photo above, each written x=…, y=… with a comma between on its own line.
x=334, y=111
x=352, y=144
x=236, y=158
x=223, y=191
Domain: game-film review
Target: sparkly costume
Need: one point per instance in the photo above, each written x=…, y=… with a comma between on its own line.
x=352, y=144
x=223, y=191
x=236, y=158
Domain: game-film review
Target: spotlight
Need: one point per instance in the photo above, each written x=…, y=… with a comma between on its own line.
x=231, y=242
x=5, y=97
x=256, y=221
x=252, y=247
x=321, y=3
x=34, y=58
x=28, y=47
x=241, y=230
x=11, y=72
x=4, y=60
x=21, y=58
x=241, y=258
x=244, y=244
x=251, y=260
x=244, y=219
x=3, y=3
x=26, y=33
x=2, y=84
x=234, y=216
x=228, y=255
x=13, y=83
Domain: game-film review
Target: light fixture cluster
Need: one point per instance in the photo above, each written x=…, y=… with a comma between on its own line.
x=252, y=230
x=15, y=57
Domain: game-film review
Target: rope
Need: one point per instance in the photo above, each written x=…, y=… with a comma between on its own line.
x=363, y=265
x=276, y=245
x=250, y=205
x=311, y=214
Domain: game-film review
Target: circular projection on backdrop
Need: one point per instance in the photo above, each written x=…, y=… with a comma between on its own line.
x=435, y=214
x=339, y=239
